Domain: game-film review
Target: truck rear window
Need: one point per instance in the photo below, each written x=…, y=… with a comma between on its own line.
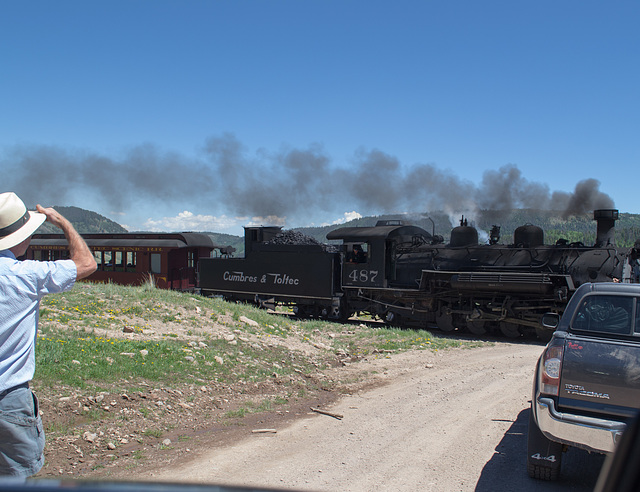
x=607, y=314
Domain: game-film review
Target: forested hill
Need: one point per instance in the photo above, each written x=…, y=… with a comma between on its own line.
x=84, y=221
x=220, y=239
x=574, y=229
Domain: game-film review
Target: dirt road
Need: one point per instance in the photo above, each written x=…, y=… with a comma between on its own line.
x=449, y=421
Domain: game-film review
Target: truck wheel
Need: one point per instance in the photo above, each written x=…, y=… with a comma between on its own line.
x=544, y=456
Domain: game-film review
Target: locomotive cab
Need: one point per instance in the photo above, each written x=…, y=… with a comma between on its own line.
x=362, y=264
x=369, y=253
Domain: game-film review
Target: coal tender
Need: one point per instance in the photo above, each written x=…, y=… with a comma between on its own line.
x=279, y=268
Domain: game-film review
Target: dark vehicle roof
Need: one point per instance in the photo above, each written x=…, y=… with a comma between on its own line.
x=610, y=288
x=168, y=240
x=385, y=231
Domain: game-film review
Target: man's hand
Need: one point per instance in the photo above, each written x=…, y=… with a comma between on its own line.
x=78, y=249
x=53, y=215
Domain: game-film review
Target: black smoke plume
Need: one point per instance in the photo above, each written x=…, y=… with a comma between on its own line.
x=296, y=183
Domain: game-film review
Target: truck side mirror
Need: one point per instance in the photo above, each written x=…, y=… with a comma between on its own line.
x=551, y=320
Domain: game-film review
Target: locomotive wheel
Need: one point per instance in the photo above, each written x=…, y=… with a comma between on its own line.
x=509, y=329
x=392, y=318
x=302, y=312
x=476, y=327
x=445, y=321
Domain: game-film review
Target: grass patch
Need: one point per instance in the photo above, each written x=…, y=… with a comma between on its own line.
x=81, y=342
x=152, y=433
x=239, y=413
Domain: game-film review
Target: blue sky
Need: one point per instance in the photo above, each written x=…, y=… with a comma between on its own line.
x=211, y=115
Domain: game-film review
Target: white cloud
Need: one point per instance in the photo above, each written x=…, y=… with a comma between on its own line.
x=348, y=216
x=269, y=220
x=345, y=218
x=188, y=221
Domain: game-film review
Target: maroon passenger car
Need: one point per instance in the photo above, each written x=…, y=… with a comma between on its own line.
x=131, y=258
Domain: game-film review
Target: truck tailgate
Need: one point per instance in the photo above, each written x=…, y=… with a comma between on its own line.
x=608, y=384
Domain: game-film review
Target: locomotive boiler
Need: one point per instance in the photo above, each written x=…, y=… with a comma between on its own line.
x=406, y=276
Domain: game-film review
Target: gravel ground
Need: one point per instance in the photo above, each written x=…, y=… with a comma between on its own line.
x=454, y=420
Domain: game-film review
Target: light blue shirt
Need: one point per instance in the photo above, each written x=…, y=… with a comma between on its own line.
x=22, y=285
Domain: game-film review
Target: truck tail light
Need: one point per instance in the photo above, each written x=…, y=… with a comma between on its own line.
x=551, y=368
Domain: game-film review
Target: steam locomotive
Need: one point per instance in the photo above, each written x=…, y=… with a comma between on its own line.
x=405, y=276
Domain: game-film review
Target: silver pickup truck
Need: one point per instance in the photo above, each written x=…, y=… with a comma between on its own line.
x=587, y=383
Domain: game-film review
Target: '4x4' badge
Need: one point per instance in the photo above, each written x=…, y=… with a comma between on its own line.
x=551, y=458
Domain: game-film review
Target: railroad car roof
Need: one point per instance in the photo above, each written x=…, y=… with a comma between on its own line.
x=387, y=231
x=172, y=240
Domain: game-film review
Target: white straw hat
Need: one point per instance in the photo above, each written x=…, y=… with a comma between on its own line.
x=16, y=222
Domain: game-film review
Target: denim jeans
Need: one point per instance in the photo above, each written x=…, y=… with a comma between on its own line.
x=21, y=433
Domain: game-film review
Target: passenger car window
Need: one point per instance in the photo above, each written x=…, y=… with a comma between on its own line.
x=606, y=314
x=636, y=326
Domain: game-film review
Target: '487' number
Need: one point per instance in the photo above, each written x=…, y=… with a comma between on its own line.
x=363, y=276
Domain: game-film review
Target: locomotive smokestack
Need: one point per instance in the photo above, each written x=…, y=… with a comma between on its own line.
x=606, y=219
